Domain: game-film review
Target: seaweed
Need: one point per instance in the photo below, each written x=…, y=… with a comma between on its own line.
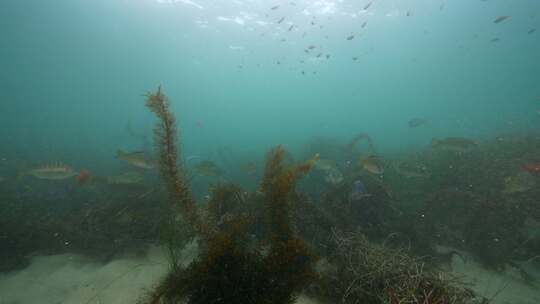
x=364, y=272
x=227, y=270
x=171, y=171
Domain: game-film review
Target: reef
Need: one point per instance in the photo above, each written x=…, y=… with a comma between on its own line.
x=293, y=231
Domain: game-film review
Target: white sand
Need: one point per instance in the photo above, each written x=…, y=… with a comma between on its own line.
x=507, y=287
x=72, y=279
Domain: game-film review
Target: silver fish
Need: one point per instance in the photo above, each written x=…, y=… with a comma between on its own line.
x=137, y=159
x=500, y=19
x=52, y=171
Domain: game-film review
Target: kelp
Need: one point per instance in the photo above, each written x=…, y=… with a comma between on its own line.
x=171, y=171
x=227, y=270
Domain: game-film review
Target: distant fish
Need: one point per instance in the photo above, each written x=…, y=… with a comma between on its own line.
x=52, y=171
x=290, y=28
x=520, y=182
x=274, y=7
x=281, y=20
x=500, y=19
x=311, y=47
x=128, y=178
x=249, y=168
x=411, y=170
x=368, y=5
x=495, y=40
x=358, y=191
x=324, y=164
x=453, y=143
x=531, y=31
x=351, y=37
x=441, y=7
x=416, y=122
x=334, y=176
x=408, y=14
x=319, y=55
x=373, y=164
x=138, y=159
x=207, y=168
x=364, y=24
x=354, y=58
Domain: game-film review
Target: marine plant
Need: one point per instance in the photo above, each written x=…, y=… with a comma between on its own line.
x=226, y=270
x=171, y=171
x=365, y=272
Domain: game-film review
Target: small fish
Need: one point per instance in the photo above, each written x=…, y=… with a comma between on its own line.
x=453, y=143
x=249, y=168
x=500, y=19
x=128, y=178
x=533, y=168
x=495, y=40
x=355, y=58
x=52, y=171
x=274, y=7
x=531, y=31
x=311, y=47
x=351, y=37
x=373, y=164
x=411, y=170
x=138, y=159
x=441, y=7
x=290, y=28
x=327, y=56
x=368, y=5
x=364, y=24
x=324, y=164
x=416, y=122
x=319, y=55
x=408, y=13
x=520, y=182
x=281, y=20
x=207, y=168
x=358, y=191
x=334, y=176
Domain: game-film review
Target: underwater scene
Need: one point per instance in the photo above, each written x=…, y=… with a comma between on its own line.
x=270, y=152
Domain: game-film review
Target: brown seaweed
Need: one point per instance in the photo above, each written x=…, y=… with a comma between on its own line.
x=171, y=171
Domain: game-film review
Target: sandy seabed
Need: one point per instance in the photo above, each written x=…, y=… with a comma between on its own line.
x=73, y=279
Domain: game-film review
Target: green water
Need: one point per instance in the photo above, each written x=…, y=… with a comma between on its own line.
x=73, y=72
x=246, y=75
